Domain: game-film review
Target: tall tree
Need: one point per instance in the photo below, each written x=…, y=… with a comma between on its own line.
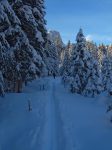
x=27, y=62
x=52, y=59
x=107, y=72
x=84, y=69
x=31, y=14
x=66, y=63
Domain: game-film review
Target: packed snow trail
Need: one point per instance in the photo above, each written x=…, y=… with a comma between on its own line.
x=61, y=141
x=54, y=135
x=59, y=120
x=85, y=123
x=77, y=122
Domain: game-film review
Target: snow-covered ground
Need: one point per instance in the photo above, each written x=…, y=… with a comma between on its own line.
x=59, y=120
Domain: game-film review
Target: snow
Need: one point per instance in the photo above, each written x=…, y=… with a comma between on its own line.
x=85, y=122
x=39, y=36
x=59, y=120
x=19, y=128
x=9, y=11
x=27, y=12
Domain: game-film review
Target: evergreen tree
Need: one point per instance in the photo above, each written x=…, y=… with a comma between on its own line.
x=66, y=62
x=94, y=85
x=7, y=16
x=102, y=51
x=92, y=47
x=26, y=62
x=52, y=59
x=109, y=48
x=107, y=73
x=31, y=14
x=84, y=69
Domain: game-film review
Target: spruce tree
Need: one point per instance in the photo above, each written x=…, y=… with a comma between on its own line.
x=25, y=61
x=92, y=47
x=66, y=62
x=7, y=16
x=94, y=84
x=31, y=14
x=52, y=59
x=107, y=72
x=84, y=69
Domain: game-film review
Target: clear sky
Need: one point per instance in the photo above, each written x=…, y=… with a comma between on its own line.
x=93, y=16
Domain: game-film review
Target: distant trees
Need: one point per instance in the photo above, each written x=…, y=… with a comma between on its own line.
x=66, y=62
x=52, y=59
x=93, y=49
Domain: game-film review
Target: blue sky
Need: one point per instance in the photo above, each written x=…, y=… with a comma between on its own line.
x=67, y=16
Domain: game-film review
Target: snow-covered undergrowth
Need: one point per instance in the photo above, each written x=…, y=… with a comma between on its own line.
x=19, y=128
x=59, y=120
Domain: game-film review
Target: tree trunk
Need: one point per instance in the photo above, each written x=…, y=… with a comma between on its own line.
x=18, y=87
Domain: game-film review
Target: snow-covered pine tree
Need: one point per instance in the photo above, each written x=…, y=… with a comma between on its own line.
x=6, y=17
x=94, y=85
x=70, y=47
x=31, y=14
x=27, y=63
x=107, y=72
x=109, y=47
x=92, y=47
x=84, y=71
x=52, y=59
x=66, y=63
x=102, y=51
x=5, y=63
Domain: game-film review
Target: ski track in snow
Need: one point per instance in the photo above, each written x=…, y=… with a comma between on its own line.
x=63, y=143
x=54, y=135
x=59, y=120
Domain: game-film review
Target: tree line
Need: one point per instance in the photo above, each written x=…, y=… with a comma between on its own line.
x=26, y=53
x=87, y=68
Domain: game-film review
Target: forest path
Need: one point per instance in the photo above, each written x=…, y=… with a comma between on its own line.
x=54, y=135
x=59, y=120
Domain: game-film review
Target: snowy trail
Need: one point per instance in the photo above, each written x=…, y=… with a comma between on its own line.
x=59, y=120
x=65, y=141
x=85, y=123
x=54, y=135
x=54, y=119
x=76, y=122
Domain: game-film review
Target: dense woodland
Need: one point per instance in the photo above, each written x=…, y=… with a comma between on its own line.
x=28, y=51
